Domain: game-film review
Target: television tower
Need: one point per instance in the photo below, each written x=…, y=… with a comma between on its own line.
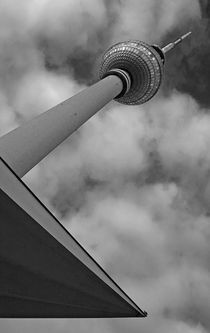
x=131, y=73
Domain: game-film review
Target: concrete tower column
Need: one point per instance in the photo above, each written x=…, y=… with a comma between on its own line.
x=28, y=144
x=131, y=72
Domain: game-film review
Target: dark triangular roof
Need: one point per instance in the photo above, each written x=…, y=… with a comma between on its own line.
x=44, y=271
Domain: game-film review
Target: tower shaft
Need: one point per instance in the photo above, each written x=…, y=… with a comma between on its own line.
x=28, y=144
x=131, y=72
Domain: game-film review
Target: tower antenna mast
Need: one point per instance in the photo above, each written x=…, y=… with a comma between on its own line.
x=170, y=46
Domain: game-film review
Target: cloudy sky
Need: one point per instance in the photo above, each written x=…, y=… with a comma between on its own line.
x=133, y=184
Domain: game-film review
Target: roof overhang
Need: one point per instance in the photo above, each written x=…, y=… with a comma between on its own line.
x=45, y=272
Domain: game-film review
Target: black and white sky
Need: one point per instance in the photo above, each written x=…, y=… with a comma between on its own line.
x=133, y=184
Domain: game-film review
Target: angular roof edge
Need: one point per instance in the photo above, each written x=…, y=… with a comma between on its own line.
x=18, y=191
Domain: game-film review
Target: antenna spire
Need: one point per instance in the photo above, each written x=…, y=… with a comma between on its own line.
x=173, y=44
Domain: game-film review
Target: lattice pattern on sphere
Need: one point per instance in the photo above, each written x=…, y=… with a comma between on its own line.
x=144, y=65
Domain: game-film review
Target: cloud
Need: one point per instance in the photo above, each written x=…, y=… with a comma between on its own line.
x=187, y=68
x=133, y=183
x=151, y=20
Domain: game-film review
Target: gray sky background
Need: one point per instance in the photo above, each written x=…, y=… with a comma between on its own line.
x=133, y=184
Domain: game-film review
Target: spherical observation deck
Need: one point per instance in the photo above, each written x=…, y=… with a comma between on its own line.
x=144, y=65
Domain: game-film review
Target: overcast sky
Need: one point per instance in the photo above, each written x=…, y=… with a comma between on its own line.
x=133, y=184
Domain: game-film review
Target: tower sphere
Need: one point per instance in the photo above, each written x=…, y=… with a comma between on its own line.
x=142, y=62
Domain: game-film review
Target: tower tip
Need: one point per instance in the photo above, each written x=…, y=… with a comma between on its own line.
x=176, y=42
x=186, y=35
